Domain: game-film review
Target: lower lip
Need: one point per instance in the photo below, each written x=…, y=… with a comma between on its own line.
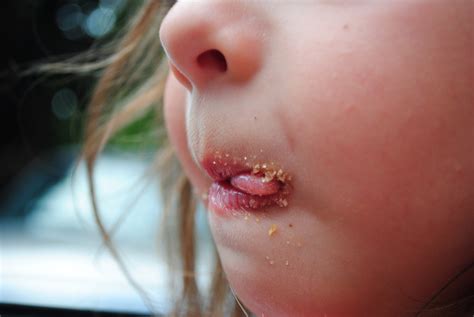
x=225, y=199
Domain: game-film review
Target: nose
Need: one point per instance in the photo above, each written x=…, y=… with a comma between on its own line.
x=208, y=40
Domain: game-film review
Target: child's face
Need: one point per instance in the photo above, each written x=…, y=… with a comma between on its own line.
x=368, y=106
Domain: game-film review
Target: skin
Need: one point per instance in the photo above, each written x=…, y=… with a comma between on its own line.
x=369, y=106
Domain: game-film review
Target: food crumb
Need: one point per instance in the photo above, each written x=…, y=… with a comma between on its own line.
x=282, y=202
x=272, y=230
x=271, y=262
x=286, y=262
x=256, y=169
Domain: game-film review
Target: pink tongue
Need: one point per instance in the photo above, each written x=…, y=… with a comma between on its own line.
x=254, y=185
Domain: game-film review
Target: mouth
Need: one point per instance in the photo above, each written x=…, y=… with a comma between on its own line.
x=243, y=184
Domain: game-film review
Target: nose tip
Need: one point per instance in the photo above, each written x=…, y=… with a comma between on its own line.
x=208, y=41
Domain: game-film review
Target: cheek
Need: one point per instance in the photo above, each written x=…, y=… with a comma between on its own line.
x=387, y=138
x=391, y=121
x=174, y=112
x=389, y=156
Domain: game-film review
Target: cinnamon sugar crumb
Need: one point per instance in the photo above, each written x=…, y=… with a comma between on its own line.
x=269, y=173
x=256, y=169
x=272, y=230
x=282, y=202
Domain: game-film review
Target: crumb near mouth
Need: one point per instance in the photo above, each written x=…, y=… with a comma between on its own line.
x=270, y=173
x=272, y=230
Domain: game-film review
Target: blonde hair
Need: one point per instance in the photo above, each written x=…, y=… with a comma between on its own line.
x=133, y=70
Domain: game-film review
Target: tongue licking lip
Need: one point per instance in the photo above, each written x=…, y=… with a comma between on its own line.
x=255, y=185
x=242, y=185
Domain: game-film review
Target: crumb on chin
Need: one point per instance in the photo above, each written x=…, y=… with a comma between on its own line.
x=272, y=230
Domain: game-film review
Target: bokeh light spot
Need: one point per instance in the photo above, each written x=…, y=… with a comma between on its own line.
x=100, y=22
x=64, y=103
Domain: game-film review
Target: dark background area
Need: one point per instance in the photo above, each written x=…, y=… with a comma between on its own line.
x=41, y=115
x=52, y=257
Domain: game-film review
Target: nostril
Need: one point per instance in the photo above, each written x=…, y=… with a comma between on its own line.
x=213, y=60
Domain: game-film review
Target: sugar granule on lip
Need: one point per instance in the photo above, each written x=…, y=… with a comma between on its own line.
x=269, y=173
x=282, y=202
x=256, y=169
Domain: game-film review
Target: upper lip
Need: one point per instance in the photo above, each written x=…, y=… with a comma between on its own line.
x=223, y=167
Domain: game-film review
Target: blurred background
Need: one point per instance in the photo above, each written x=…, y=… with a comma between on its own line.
x=51, y=254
